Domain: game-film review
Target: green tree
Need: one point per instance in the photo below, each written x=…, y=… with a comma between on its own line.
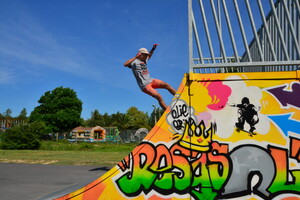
x=60, y=109
x=120, y=120
x=96, y=119
x=137, y=119
x=7, y=113
x=22, y=118
x=23, y=114
x=23, y=136
x=7, y=117
x=107, y=120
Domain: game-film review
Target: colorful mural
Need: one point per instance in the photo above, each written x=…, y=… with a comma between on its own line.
x=224, y=136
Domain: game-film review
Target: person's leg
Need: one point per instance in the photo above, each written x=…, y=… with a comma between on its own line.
x=254, y=120
x=152, y=92
x=241, y=120
x=156, y=83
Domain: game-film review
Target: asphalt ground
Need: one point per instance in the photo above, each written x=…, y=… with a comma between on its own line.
x=33, y=181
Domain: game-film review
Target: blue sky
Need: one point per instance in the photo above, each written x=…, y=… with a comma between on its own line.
x=83, y=45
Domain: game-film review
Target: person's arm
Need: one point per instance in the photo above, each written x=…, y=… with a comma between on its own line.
x=232, y=104
x=128, y=62
x=152, y=50
x=256, y=109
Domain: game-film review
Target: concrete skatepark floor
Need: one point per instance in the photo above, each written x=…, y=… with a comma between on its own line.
x=33, y=181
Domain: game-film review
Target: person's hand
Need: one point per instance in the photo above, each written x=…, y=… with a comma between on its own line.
x=154, y=46
x=138, y=55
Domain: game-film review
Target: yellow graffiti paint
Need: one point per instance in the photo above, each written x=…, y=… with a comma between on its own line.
x=221, y=134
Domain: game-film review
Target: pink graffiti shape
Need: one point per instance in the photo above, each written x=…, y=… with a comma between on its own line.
x=219, y=94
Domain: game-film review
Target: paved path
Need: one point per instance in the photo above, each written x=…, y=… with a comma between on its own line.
x=31, y=181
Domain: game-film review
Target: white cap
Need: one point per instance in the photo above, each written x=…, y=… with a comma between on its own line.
x=143, y=50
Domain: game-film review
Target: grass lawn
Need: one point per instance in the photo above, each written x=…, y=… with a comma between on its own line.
x=63, y=153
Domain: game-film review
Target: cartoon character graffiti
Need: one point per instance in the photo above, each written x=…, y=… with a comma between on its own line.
x=247, y=112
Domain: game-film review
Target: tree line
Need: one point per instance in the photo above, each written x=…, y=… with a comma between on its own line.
x=59, y=111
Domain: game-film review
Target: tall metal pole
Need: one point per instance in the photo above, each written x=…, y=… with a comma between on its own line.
x=190, y=24
x=155, y=120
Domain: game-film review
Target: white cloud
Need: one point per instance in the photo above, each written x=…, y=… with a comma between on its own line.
x=23, y=38
x=6, y=76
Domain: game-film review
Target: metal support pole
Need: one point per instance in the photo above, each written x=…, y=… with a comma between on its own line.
x=190, y=24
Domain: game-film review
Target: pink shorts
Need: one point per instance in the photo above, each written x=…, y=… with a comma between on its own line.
x=150, y=88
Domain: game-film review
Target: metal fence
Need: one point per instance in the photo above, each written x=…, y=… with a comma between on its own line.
x=243, y=35
x=133, y=136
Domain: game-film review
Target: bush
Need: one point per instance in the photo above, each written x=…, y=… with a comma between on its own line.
x=23, y=136
x=64, y=145
x=86, y=146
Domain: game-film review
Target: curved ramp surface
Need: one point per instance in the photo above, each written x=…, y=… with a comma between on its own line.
x=224, y=136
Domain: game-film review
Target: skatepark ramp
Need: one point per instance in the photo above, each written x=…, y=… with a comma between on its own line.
x=197, y=151
x=232, y=129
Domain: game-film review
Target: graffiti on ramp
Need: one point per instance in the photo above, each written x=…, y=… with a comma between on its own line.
x=196, y=152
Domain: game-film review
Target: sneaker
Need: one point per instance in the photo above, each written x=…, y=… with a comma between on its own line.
x=252, y=129
x=239, y=125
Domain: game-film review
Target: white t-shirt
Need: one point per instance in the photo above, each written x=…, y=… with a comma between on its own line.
x=141, y=73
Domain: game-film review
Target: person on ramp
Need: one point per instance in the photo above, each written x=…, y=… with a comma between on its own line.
x=147, y=84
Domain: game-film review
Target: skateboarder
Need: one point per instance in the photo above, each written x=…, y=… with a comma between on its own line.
x=138, y=65
x=246, y=112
